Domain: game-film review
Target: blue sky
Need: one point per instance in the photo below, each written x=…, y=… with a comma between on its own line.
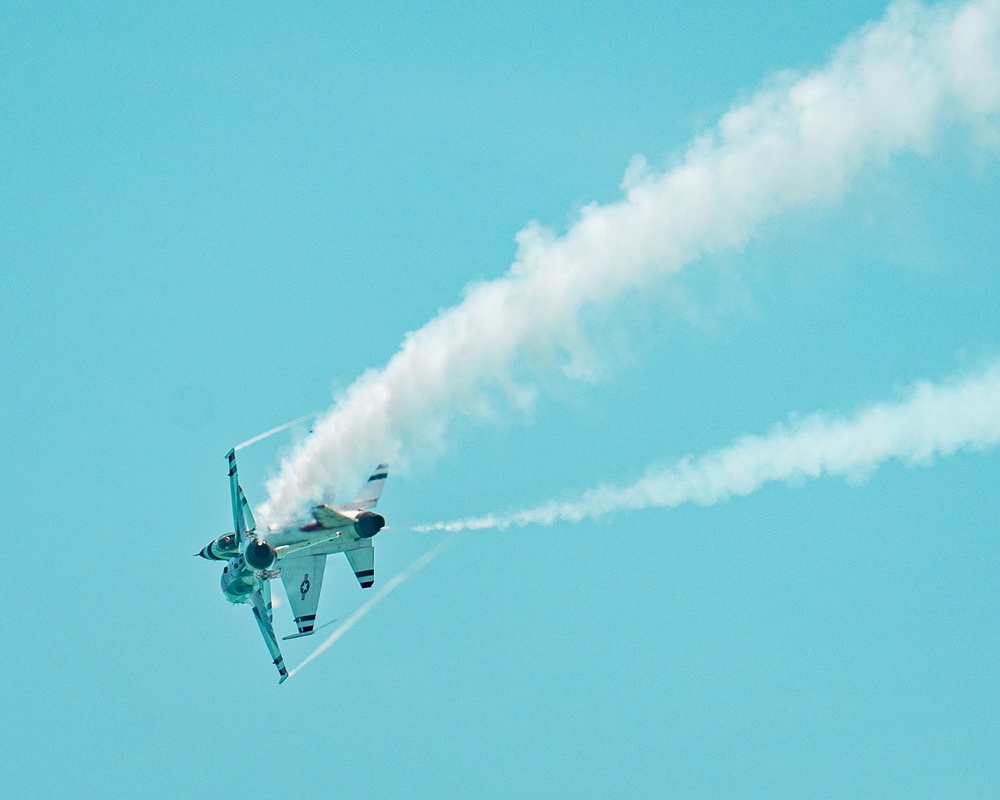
x=217, y=217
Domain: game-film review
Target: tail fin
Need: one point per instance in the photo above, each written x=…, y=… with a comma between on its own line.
x=370, y=493
x=242, y=516
x=234, y=495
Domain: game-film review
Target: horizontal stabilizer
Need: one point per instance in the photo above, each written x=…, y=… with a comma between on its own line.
x=372, y=490
x=362, y=561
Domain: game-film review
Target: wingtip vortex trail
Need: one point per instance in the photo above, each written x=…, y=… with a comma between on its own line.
x=387, y=588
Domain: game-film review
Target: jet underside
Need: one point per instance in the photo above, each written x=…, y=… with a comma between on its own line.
x=295, y=553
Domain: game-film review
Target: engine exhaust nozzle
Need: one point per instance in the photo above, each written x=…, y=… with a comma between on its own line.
x=259, y=555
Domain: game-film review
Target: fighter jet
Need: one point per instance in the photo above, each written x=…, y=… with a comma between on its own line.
x=296, y=553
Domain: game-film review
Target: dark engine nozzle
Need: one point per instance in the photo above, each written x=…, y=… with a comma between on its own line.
x=368, y=524
x=259, y=555
x=222, y=549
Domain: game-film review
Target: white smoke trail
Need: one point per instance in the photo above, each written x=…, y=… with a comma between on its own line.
x=890, y=88
x=261, y=436
x=933, y=420
x=393, y=583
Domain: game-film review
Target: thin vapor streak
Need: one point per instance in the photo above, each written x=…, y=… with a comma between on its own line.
x=393, y=583
x=933, y=420
x=279, y=429
x=890, y=88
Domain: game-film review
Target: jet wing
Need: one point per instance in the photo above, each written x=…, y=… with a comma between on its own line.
x=262, y=613
x=302, y=577
x=330, y=518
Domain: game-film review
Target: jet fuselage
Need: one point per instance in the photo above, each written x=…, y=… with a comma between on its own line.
x=246, y=570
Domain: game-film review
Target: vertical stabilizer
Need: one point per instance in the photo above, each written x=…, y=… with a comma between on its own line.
x=234, y=494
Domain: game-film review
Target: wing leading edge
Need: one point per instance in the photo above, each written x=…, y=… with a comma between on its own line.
x=262, y=613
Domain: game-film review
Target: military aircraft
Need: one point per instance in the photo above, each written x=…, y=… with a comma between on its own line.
x=296, y=553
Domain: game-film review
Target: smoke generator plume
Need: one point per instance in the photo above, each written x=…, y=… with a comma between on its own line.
x=889, y=88
x=934, y=420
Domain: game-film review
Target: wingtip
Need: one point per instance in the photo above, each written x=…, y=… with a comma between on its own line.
x=298, y=635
